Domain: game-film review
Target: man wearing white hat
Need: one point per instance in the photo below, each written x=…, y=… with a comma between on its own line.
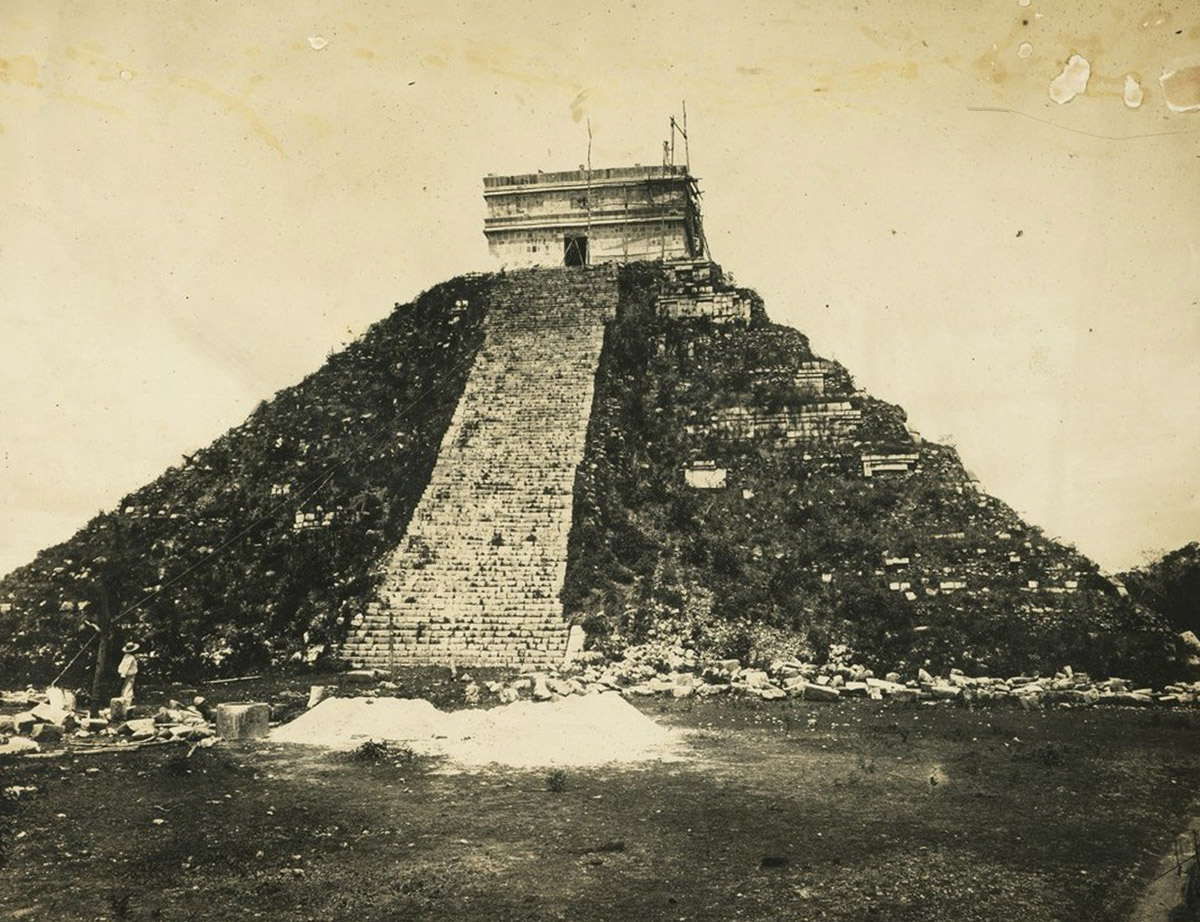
x=127, y=670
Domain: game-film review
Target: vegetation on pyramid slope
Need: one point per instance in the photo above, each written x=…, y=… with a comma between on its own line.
x=1170, y=586
x=256, y=547
x=799, y=553
x=263, y=546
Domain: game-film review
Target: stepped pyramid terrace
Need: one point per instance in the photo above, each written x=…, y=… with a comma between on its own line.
x=603, y=442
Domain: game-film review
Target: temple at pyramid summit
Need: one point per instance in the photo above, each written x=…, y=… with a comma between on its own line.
x=588, y=217
x=605, y=441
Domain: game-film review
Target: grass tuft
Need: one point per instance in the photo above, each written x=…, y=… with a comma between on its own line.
x=375, y=751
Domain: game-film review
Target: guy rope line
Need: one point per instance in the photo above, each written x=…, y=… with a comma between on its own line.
x=87, y=643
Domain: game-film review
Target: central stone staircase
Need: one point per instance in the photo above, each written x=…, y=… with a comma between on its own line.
x=476, y=580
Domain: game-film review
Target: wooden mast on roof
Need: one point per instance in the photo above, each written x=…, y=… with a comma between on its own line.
x=692, y=185
x=588, y=199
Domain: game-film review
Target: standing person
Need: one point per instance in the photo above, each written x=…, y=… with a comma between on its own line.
x=127, y=670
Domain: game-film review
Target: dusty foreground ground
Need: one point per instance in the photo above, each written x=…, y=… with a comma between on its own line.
x=787, y=810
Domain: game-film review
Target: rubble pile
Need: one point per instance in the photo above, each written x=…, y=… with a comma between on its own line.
x=33, y=721
x=678, y=672
x=51, y=717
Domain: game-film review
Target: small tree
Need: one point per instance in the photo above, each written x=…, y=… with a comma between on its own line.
x=107, y=593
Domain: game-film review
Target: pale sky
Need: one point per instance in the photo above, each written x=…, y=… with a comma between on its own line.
x=199, y=201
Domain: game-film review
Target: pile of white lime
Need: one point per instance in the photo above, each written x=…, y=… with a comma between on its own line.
x=579, y=730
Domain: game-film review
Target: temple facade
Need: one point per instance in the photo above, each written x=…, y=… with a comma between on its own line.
x=588, y=217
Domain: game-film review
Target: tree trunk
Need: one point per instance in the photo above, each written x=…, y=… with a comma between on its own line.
x=97, y=698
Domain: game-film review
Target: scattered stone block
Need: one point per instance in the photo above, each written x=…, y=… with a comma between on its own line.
x=61, y=699
x=118, y=710
x=46, y=712
x=705, y=475
x=682, y=691
x=811, y=691
x=637, y=691
x=141, y=726
x=541, y=691
x=575, y=641
x=559, y=687
x=243, y=721
x=1130, y=698
x=317, y=694
x=18, y=745
x=947, y=692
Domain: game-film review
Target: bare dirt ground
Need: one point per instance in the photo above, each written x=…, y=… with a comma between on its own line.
x=784, y=810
